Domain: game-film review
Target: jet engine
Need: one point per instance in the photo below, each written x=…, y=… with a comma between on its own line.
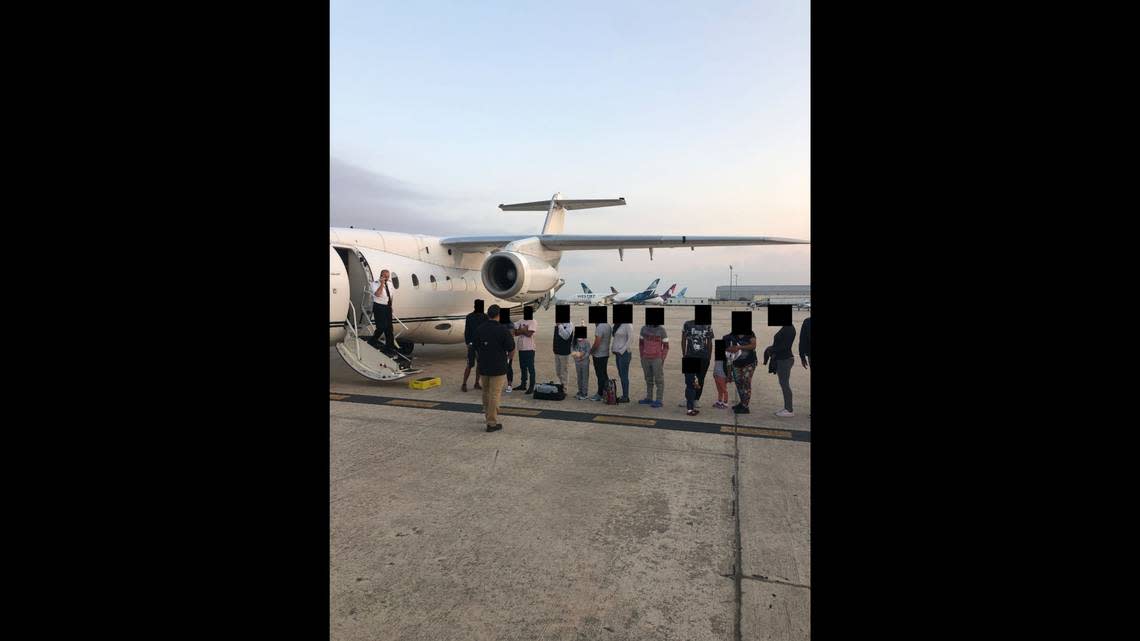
x=518, y=277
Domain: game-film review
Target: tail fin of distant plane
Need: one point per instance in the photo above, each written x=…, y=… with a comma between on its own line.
x=682, y=294
x=585, y=290
x=669, y=294
x=556, y=209
x=613, y=290
x=653, y=285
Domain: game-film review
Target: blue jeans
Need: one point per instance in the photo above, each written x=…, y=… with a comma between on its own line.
x=526, y=364
x=622, y=362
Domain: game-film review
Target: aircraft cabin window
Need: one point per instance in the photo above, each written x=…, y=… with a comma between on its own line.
x=415, y=281
x=432, y=278
x=395, y=280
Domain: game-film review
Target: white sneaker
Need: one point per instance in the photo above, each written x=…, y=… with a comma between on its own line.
x=785, y=414
x=507, y=389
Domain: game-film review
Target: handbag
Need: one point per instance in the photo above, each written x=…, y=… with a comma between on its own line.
x=549, y=392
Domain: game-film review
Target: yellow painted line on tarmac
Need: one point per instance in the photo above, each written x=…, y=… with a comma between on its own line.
x=755, y=431
x=625, y=421
x=407, y=403
x=519, y=412
x=337, y=397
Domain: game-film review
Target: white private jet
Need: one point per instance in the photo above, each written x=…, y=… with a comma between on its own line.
x=435, y=280
x=587, y=297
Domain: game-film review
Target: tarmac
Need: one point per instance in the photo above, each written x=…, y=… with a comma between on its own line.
x=578, y=520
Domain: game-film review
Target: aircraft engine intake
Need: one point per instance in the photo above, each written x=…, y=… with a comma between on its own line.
x=518, y=277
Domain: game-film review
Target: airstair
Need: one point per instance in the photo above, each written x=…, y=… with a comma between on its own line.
x=367, y=360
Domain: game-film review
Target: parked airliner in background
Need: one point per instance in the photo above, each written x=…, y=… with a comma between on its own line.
x=635, y=297
x=587, y=297
x=660, y=300
x=434, y=281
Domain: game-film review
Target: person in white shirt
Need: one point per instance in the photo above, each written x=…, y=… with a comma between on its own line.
x=622, y=333
x=524, y=333
x=382, y=313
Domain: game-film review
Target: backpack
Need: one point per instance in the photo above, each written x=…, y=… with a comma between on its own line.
x=549, y=392
x=696, y=341
x=611, y=392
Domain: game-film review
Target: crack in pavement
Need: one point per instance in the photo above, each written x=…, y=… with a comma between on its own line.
x=763, y=579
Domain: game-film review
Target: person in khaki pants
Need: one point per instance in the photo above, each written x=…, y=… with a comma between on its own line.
x=494, y=344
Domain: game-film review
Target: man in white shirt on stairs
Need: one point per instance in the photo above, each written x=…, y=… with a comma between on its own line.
x=382, y=314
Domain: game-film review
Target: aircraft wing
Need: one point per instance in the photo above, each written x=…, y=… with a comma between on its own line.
x=479, y=243
x=570, y=242
x=567, y=242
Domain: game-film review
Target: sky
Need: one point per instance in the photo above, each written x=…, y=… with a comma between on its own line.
x=698, y=113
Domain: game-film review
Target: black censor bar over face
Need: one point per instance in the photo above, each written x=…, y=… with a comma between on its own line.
x=741, y=322
x=623, y=314
x=561, y=313
x=702, y=314
x=654, y=316
x=779, y=315
x=690, y=365
x=598, y=314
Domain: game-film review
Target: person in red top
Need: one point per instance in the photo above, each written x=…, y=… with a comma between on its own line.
x=653, y=347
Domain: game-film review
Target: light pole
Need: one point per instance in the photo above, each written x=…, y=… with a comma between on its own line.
x=730, y=282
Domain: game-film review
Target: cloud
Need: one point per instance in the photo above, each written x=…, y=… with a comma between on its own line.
x=366, y=199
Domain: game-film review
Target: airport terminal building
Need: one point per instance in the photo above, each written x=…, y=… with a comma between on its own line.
x=736, y=292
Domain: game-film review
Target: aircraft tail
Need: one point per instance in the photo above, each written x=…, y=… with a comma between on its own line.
x=682, y=294
x=613, y=290
x=557, y=207
x=585, y=290
x=669, y=294
x=653, y=286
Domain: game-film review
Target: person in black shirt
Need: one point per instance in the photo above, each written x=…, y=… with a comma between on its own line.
x=697, y=342
x=472, y=323
x=805, y=342
x=782, y=355
x=563, y=341
x=741, y=349
x=493, y=345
